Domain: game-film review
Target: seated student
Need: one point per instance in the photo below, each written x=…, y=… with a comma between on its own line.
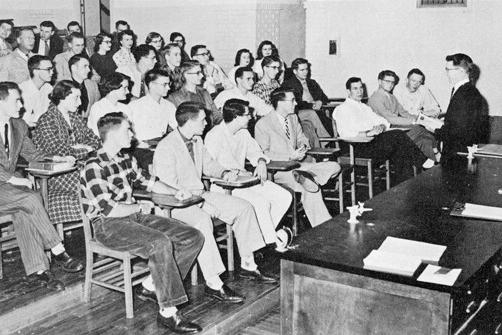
x=152, y=115
x=415, y=97
x=244, y=76
x=75, y=47
x=75, y=27
x=179, y=39
x=180, y=160
x=79, y=70
x=231, y=144
x=155, y=40
x=62, y=131
x=14, y=66
x=384, y=103
x=47, y=42
x=268, y=83
x=101, y=60
x=114, y=89
x=187, y=88
x=243, y=58
x=171, y=56
x=281, y=138
x=123, y=56
x=308, y=94
x=120, y=26
x=36, y=90
x=215, y=78
x=145, y=60
x=353, y=118
x=34, y=230
x=267, y=48
x=5, y=31
x=169, y=245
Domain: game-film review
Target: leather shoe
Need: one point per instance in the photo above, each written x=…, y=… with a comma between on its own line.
x=47, y=279
x=307, y=180
x=68, y=263
x=258, y=276
x=225, y=294
x=178, y=324
x=144, y=294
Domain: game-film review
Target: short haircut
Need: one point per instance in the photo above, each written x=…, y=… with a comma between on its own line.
x=239, y=55
x=233, y=108
x=73, y=36
x=110, y=121
x=142, y=50
x=9, y=22
x=195, y=49
x=180, y=80
x=151, y=36
x=121, y=23
x=167, y=49
x=5, y=86
x=153, y=75
x=20, y=31
x=188, y=110
x=259, y=53
x=416, y=71
x=352, y=80
x=98, y=40
x=279, y=94
x=297, y=62
x=61, y=90
x=75, y=59
x=34, y=62
x=73, y=23
x=112, y=82
x=127, y=32
x=267, y=60
x=388, y=73
x=175, y=35
x=240, y=71
x=462, y=60
x=48, y=24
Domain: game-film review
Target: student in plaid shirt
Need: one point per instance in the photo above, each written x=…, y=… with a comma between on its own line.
x=119, y=223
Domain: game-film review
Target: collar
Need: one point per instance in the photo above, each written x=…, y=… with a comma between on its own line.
x=460, y=83
x=23, y=55
x=185, y=140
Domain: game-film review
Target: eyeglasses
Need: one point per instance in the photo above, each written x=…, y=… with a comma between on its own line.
x=289, y=99
x=161, y=84
x=179, y=41
x=203, y=54
x=273, y=67
x=197, y=73
x=48, y=69
x=246, y=114
x=107, y=42
x=447, y=69
x=389, y=81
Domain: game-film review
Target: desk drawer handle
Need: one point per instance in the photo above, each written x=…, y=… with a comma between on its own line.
x=471, y=307
x=498, y=329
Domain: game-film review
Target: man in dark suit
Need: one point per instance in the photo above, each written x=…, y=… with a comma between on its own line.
x=465, y=122
x=34, y=230
x=47, y=43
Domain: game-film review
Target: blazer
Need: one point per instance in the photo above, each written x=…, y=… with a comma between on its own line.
x=315, y=90
x=173, y=164
x=21, y=145
x=56, y=45
x=14, y=67
x=270, y=135
x=465, y=122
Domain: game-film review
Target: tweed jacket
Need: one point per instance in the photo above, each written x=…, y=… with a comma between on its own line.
x=314, y=89
x=14, y=67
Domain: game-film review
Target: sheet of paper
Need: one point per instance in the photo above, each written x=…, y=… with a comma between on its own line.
x=484, y=212
x=438, y=275
x=427, y=252
x=397, y=263
x=491, y=149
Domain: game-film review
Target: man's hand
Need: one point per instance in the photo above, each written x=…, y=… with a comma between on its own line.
x=299, y=154
x=68, y=159
x=182, y=194
x=20, y=182
x=261, y=171
x=230, y=175
x=145, y=206
x=376, y=130
x=317, y=105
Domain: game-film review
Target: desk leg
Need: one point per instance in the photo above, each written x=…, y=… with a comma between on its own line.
x=230, y=242
x=45, y=192
x=352, y=175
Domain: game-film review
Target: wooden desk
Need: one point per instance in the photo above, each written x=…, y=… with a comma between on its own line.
x=44, y=176
x=326, y=290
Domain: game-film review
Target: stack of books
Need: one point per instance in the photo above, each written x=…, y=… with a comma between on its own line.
x=50, y=165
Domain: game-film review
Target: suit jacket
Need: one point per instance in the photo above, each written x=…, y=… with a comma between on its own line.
x=270, y=135
x=173, y=164
x=20, y=144
x=92, y=94
x=314, y=89
x=61, y=64
x=464, y=123
x=14, y=67
x=55, y=47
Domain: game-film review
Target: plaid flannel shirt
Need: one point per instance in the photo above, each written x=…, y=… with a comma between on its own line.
x=263, y=90
x=106, y=181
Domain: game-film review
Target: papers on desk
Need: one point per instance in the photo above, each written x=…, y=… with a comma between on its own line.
x=439, y=275
x=401, y=256
x=429, y=122
x=477, y=211
x=50, y=165
x=239, y=180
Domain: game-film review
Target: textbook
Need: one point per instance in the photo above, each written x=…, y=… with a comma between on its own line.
x=429, y=122
x=477, y=211
x=391, y=262
x=50, y=165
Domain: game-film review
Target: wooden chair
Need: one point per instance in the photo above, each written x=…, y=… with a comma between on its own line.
x=7, y=237
x=113, y=270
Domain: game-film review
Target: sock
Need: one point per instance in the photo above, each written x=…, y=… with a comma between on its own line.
x=428, y=163
x=40, y=272
x=58, y=249
x=248, y=263
x=148, y=283
x=214, y=283
x=167, y=312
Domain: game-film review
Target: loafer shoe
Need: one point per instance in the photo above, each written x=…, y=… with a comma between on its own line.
x=144, y=294
x=225, y=294
x=48, y=280
x=307, y=180
x=258, y=276
x=68, y=263
x=178, y=324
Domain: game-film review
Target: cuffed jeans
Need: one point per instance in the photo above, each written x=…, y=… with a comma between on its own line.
x=169, y=245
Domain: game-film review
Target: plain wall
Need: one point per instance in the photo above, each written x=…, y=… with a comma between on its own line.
x=386, y=34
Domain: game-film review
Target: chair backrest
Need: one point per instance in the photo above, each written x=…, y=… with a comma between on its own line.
x=88, y=233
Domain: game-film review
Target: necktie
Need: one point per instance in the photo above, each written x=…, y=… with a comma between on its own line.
x=286, y=128
x=142, y=89
x=6, y=133
x=46, y=48
x=452, y=91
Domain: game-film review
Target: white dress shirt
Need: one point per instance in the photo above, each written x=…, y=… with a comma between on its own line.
x=103, y=107
x=458, y=84
x=352, y=117
x=260, y=107
x=421, y=100
x=36, y=101
x=151, y=118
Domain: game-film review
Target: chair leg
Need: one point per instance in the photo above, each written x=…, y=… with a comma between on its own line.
x=193, y=275
x=128, y=288
x=1, y=262
x=414, y=171
x=340, y=192
x=295, y=214
x=230, y=248
x=89, y=267
x=387, y=174
x=59, y=228
x=370, y=179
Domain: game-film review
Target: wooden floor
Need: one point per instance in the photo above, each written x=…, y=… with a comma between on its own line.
x=269, y=324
